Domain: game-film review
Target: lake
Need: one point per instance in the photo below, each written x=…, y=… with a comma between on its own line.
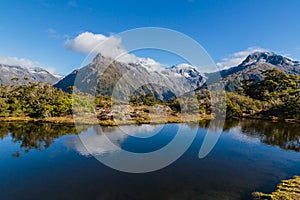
x=47, y=161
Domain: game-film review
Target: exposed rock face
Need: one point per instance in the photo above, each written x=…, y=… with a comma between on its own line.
x=185, y=71
x=109, y=77
x=22, y=75
x=253, y=66
x=67, y=81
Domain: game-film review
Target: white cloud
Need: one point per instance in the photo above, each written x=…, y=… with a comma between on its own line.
x=238, y=57
x=14, y=61
x=98, y=142
x=109, y=46
x=23, y=62
x=87, y=41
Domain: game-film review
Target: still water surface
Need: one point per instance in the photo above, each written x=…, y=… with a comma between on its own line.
x=46, y=161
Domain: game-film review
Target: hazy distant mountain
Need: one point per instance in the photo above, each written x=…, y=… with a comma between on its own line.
x=164, y=81
x=7, y=73
x=253, y=66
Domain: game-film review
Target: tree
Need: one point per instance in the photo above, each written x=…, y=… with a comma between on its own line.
x=4, y=112
x=280, y=90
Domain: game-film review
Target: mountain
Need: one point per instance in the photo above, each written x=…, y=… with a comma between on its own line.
x=106, y=76
x=253, y=66
x=189, y=72
x=141, y=77
x=7, y=73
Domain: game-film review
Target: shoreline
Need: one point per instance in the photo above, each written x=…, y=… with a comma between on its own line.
x=87, y=120
x=92, y=121
x=286, y=189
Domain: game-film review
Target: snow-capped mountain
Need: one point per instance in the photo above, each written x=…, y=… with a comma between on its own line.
x=25, y=75
x=150, y=75
x=253, y=66
x=189, y=72
x=103, y=73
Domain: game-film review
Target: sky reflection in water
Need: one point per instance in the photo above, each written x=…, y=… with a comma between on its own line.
x=250, y=156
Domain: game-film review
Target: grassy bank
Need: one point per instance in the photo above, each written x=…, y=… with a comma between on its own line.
x=156, y=119
x=89, y=120
x=286, y=190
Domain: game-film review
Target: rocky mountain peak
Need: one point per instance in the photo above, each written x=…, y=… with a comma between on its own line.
x=186, y=70
x=268, y=57
x=254, y=66
x=100, y=59
x=164, y=81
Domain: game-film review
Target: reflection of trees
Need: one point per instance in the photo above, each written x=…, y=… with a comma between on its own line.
x=4, y=130
x=230, y=124
x=41, y=135
x=36, y=135
x=218, y=124
x=284, y=135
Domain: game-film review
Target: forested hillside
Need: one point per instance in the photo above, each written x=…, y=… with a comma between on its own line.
x=278, y=95
x=37, y=100
x=275, y=97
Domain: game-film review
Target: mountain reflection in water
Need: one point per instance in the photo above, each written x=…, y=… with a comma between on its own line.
x=41, y=135
x=51, y=162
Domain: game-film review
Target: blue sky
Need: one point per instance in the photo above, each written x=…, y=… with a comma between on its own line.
x=35, y=32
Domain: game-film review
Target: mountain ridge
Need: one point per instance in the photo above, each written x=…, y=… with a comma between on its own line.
x=183, y=74
x=104, y=73
x=23, y=75
x=253, y=66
